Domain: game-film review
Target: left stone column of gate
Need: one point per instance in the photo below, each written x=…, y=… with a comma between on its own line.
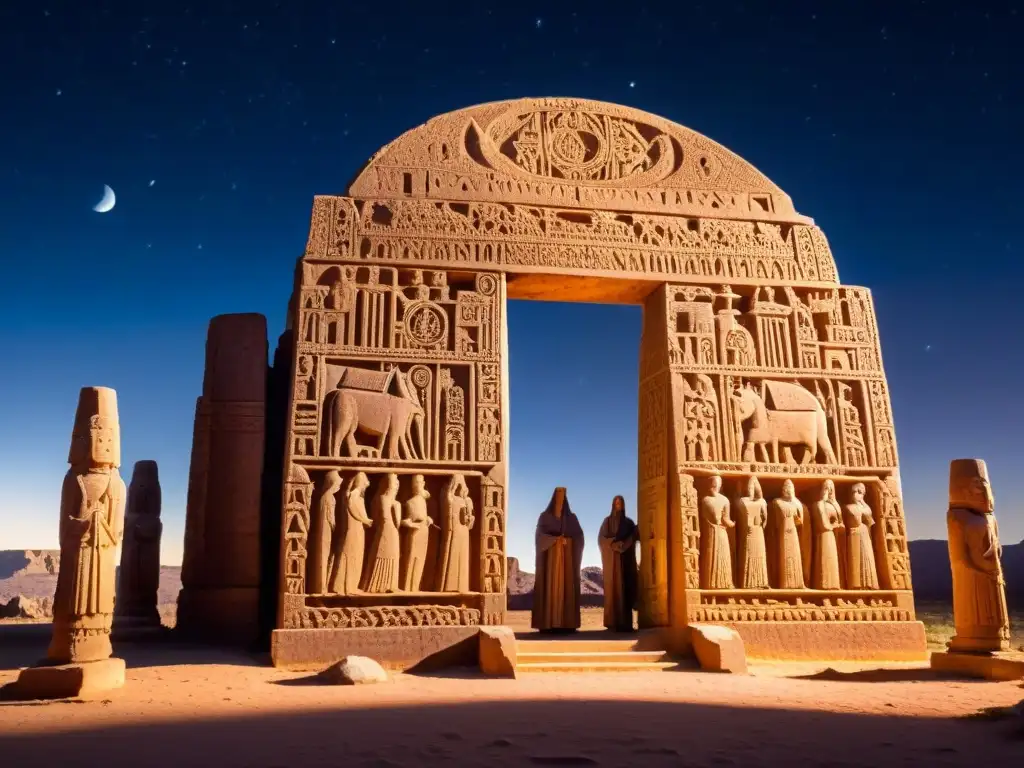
x=395, y=473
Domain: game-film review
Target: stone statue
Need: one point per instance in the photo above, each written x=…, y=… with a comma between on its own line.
x=556, y=591
x=416, y=536
x=826, y=523
x=860, y=553
x=979, y=591
x=139, y=576
x=788, y=513
x=457, y=520
x=350, y=539
x=752, y=517
x=618, y=538
x=382, y=565
x=321, y=535
x=92, y=505
x=716, y=525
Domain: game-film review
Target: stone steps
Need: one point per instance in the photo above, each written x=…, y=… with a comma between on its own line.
x=605, y=655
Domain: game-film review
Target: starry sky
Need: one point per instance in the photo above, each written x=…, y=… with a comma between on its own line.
x=895, y=125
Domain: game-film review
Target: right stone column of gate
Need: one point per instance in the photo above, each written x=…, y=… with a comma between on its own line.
x=768, y=484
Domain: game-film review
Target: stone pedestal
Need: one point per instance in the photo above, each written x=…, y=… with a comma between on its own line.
x=1007, y=665
x=68, y=681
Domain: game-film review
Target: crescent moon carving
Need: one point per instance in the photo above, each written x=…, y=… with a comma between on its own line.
x=108, y=201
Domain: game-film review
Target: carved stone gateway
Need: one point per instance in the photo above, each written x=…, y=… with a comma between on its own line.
x=757, y=369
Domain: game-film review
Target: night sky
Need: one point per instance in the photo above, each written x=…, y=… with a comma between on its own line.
x=895, y=125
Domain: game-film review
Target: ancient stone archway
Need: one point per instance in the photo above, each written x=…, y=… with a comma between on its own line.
x=754, y=362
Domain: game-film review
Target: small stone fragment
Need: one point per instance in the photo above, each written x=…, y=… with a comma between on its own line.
x=719, y=649
x=355, y=670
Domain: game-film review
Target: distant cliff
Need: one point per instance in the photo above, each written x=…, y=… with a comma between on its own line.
x=33, y=573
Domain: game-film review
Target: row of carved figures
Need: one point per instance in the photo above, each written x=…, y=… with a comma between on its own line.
x=397, y=533
x=787, y=544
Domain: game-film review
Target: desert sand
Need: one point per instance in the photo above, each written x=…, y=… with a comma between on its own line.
x=189, y=706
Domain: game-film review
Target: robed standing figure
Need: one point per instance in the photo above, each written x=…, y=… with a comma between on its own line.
x=979, y=589
x=556, y=591
x=617, y=539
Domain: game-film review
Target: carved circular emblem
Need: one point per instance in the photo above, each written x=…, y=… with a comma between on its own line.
x=420, y=377
x=425, y=323
x=487, y=284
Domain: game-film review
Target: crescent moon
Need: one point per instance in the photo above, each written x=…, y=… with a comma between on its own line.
x=108, y=201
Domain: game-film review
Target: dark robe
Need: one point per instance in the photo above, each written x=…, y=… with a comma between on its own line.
x=620, y=572
x=556, y=591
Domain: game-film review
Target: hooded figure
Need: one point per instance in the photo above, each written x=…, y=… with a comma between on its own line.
x=556, y=591
x=618, y=538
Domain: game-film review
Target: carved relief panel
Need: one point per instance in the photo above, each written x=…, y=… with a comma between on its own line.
x=775, y=387
x=394, y=504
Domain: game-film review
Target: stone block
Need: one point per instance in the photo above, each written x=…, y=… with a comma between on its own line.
x=718, y=648
x=987, y=666
x=355, y=670
x=68, y=681
x=497, y=651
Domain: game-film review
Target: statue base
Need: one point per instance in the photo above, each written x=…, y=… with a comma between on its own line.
x=397, y=648
x=868, y=641
x=1003, y=665
x=68, y=681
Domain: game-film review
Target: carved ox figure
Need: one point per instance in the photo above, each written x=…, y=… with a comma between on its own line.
x=362, y=403
x=793, y=416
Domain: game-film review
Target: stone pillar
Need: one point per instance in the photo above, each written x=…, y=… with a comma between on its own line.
x=219, y=600
x=138, y=579
x=92, y=503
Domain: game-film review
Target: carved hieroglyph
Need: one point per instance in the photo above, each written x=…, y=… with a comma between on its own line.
x=92, y=506
x=754, y=360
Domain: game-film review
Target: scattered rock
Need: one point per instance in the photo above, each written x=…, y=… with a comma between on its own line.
x=21, y=607
x=497, y=651
x=355, y=670
x=718, y=648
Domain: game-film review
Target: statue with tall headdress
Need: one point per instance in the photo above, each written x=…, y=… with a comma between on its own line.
x=979, y=591
x=92, y=506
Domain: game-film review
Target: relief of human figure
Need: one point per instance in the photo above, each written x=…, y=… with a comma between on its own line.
x=139, y=577
x=381, y=573
x=556, y=591
x=788, y=517
x=826, y=524
x=979, y=589
x=752, y=517
x=415, y=536
x=349, y=544
x=716, y=524
x=456, y=521
x=91, y=526
x=322, y=535
x=617, y=539
x=861, y=570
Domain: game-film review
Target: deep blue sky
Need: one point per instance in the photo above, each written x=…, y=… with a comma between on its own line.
x=896, y=125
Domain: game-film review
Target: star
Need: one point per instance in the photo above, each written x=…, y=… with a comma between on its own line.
x=59, y=91
x=539, y=22
x=632, y=83
x=927, y=347
x=152, y=182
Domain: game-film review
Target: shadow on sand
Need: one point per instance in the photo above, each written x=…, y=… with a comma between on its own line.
x=23, y=645
x=523, y=732
x=911, y=675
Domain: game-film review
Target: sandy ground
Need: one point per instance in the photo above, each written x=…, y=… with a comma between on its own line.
x=185, y=706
